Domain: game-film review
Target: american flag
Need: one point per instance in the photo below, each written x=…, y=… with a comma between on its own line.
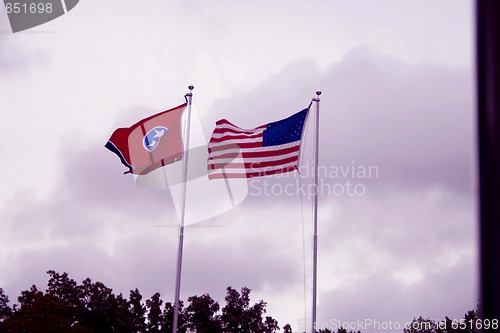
x=272, y=148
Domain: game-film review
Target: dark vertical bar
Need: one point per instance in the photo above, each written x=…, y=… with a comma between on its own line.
x=488, y=102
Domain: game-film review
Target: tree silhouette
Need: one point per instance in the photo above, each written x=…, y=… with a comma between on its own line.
x=91, y=307
x=168, y=314
x=155, y=314
x=103, y=311
x=470, y=323
x=5, y=310
x=138, y=311
x=38, y=312
x=239, y=317
x=202, y=315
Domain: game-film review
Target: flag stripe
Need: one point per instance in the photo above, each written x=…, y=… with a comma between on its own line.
x=238, y=147
x=222, y=175
x=236, y=130
x=253, y=170
x=218, y=137
x=245, y=159
x=254, y=149
x=235, y=141
x=245, y=153
x=254, y=165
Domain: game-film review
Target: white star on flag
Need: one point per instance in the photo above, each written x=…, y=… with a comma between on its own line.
x=158, y=134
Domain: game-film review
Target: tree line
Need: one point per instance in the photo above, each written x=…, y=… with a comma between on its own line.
x=91, y=307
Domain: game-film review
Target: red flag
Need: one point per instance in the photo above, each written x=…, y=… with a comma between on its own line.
x=150, y=143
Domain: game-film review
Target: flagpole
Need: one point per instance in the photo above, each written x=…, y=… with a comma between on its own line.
x=315, y=212
x=185, y=159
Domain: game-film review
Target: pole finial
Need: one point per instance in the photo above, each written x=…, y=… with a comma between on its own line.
x=190, y=93
x=316, y=99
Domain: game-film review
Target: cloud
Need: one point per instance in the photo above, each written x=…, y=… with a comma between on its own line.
x=98, y=223
x=413, y=122
x=14, y=58
x=381, y=300
x=409, y=236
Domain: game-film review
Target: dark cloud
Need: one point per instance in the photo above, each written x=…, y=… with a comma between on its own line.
x=94, y=177
x=97, y=223
x=379, y=298
x=413, y=122
x=410, y=226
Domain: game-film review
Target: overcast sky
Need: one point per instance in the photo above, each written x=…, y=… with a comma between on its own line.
x=398, y=99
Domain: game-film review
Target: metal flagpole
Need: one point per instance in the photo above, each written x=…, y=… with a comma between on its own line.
x=185, y=159
x=315, y=212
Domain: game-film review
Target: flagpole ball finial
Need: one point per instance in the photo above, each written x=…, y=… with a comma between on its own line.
x=316, y=99
x=190, y=93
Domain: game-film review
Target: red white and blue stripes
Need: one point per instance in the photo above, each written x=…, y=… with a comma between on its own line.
x=245, y=153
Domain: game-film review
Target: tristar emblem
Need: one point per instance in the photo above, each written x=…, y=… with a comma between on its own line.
x=153, y=137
